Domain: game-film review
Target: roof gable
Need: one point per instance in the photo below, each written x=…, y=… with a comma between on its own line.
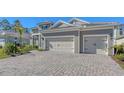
x=61, y=23
x=77, y=21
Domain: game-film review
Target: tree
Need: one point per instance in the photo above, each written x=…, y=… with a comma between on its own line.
x=5, y=25
x=20, y=29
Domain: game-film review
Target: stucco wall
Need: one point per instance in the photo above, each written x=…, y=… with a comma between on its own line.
x=78, y=37
x=120, y=41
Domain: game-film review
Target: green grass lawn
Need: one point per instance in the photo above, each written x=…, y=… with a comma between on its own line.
x=5, y=56
x=121, y=63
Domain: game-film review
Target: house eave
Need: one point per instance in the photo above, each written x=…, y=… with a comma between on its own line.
x=35, y=33
x=78, y=29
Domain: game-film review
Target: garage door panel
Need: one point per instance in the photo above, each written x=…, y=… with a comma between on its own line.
x=61, y=44
x=95, y=44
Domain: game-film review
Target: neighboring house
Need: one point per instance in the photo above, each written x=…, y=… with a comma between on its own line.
x=7, y=34
x=78, y=36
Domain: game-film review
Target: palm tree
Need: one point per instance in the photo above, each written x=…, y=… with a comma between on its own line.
x=20, y=29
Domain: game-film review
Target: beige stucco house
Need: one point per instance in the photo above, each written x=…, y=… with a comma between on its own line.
x=78, y=36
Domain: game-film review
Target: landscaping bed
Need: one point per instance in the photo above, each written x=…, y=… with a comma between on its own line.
x=119, y=54
x=3, y=54
x=11, y=49
x=120, y=62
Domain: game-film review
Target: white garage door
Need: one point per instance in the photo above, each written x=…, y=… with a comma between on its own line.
x=96, y=44
x=64, y=44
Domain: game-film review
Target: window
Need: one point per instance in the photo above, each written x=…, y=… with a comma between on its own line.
x=35, y=37
x=44, y=27
x=121, y=30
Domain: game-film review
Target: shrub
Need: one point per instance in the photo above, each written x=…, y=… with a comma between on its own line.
x=35, y=47
x=120, y=57
x=119, y=49
x=25, y=49
x=19, y=50
x=2, y=53
x=28, y=48
x=40, y=49
x=10, y=48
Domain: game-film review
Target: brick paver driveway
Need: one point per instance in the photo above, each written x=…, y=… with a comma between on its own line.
x=55, y=63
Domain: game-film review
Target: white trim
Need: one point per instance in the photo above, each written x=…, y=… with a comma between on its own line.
x=97, y=35
x=45, y=43
x=77, y=19
x=75, y=29
x=79, y=43
x=59, y=36
x=61, y=22
x=35, y=34
x=62, y=30
x=114, y=38
x=96, y=28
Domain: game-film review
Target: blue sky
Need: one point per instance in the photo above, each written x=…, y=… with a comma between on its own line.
x=32, y=21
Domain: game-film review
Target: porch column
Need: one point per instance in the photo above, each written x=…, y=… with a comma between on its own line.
x=114, y=38
x=31, y=40
x=77, y=43
x=39, y=41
